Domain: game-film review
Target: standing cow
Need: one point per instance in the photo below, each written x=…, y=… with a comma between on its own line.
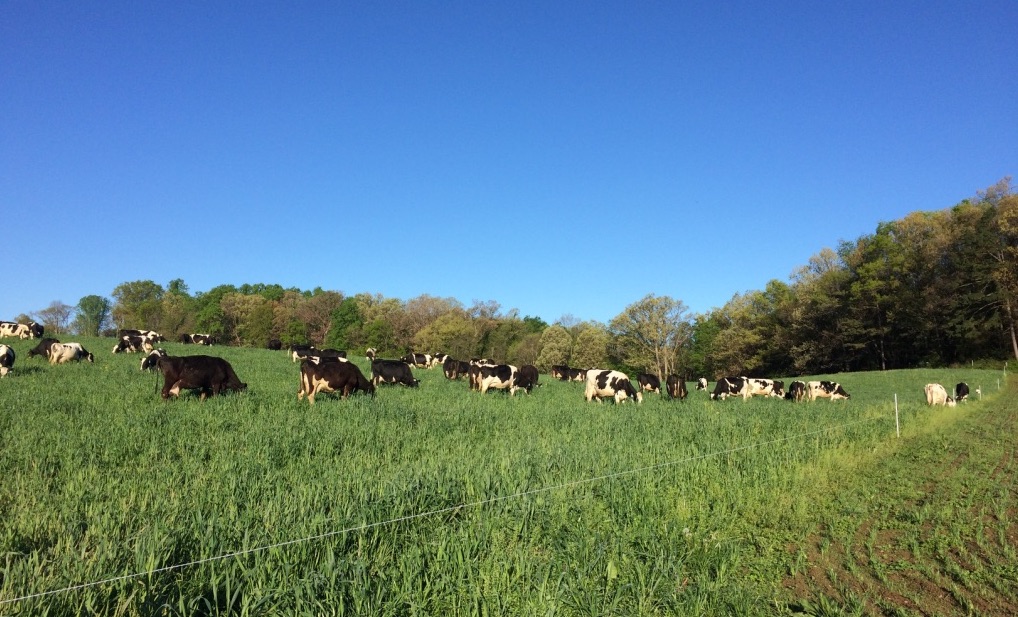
x=61, y=353
x=649, y=382
x=342, y=377
x=936, y=394
x=602, y=384
x=207, y=374
x=796, y=391
x=676, y=387
x=499, y=376
x=825, y=389
x=961, y=392
x=528, y=377
x=42, y=349
x=392, y=371
x=6, y=360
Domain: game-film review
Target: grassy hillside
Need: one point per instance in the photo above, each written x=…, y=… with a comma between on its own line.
x=433, y=500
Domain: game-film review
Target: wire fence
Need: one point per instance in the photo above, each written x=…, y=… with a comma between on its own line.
x=436, y=512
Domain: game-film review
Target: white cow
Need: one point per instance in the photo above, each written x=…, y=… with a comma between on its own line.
x=936, y=394
x=61, y=353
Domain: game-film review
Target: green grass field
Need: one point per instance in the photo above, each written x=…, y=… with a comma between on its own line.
x=422, y=501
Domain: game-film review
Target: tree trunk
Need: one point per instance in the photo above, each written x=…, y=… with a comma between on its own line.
x=1010, y=319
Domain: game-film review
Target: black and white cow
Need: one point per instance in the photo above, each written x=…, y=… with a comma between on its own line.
x=575, y=374
x=207, y=374
x=558, y=371
x=454, y=369
x=197, y=339
x=369, y=353
x=825, y=389
x=765, y=387
x=602, y=384
x=151, y=361
x=151, y=335
x=319, y=356
x=701, y=384
x=676, y=387
x=300, y=351
x=35, y=330
x=42, y=349
x=61, y=353
x=418, y=360
x=528, y=377
x=20, y=330
x=439, y=359
x=131, y=344
x=649, y=382
x=474, y=372
x=392, y=371
x=499, y=376
x=6, y=360
x=342, y=377
x=730, y=386
x=796, y=391
x=961, y=392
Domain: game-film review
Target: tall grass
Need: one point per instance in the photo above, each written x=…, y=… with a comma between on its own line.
x=418, y=501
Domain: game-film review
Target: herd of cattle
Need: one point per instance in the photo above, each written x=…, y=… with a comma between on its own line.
x=329, y=370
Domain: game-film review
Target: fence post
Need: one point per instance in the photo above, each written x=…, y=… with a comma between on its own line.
x=897, y=424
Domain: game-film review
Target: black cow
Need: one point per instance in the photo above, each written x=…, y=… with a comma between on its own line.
x=207, y=374
x=961, y=392
x=649, y=382
x=558, y=371
x=6, y=359
x=676, y=387
x=342, y=377
x=151, y=361
x=42, y=349
x=392, y=371
x=454, y=369
x=274, y=344
x=796, y=391
x=528, y=377
x=730, y=386
x=35, y=329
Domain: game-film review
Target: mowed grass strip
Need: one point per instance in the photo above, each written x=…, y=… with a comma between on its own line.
x=929, y=528
x=102, y=480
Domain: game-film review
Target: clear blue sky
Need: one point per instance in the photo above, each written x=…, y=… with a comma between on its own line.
x=556, y=157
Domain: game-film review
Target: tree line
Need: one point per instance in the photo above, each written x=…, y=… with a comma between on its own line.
x=933, y=288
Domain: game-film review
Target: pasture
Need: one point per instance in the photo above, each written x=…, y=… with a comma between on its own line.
x=421, y=501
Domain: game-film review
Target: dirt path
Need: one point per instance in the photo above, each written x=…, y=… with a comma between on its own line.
x=932, y=530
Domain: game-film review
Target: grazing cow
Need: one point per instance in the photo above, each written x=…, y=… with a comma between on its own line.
x=61, y=353
x=131, y=344
x=35, y=330
x=392, y=371
x=701, y=384
x=274, y=344
x=649, y=383
x=197, y=339
x=936, y=394
x=439, y=358
x=575, y=374
x=342, y=377
x=151, y=335
x=499, y=376
x=6, y=360
x=319, y=356
x=676, y=387
x=766, y=387
x=825, y=389
x=558, y=370
x=796, y=391
x=20, y=330
x=528, y=377
x=454, y=369
x=299, y=351
x=369, y=353
x=42, y=349
x=731, y=386
x=961, y=392
x=207, y=374
x=418, y=360
x=151, y=361
x=602, y=384
x=474, y=372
